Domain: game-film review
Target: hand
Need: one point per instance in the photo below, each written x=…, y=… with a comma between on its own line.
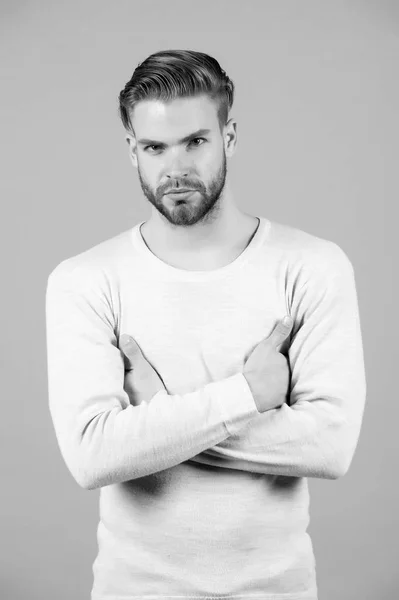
x=142, y=381
x=267, y=370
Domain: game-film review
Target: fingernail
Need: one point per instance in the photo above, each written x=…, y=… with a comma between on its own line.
x=287, y=321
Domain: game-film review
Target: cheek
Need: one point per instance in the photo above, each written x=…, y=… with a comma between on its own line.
x=149, y=173
x=209, y=162
x=211, y=166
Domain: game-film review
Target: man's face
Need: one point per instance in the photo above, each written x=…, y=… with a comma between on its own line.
x=165, y=160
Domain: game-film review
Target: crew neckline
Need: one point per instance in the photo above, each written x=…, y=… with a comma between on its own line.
x=167, y=271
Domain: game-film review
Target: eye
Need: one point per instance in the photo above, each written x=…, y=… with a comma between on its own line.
x=155, y=146
x=198, y=138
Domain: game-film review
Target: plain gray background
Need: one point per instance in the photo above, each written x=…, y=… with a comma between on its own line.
x=317, y=99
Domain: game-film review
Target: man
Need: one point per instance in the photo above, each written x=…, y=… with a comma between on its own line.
x=201, y=433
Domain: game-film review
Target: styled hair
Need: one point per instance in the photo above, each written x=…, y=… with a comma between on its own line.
x=171, y=74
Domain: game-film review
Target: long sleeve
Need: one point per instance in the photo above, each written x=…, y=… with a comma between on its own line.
x=102, y=437
x=316, y=434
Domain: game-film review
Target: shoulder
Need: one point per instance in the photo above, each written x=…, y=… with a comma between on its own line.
x=98, y=263
x=303, y=251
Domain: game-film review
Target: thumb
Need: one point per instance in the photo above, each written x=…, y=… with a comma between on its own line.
x=281, y=331
x=130, y=348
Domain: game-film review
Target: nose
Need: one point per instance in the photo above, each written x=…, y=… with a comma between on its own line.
x=177, y=167
x=176, y=173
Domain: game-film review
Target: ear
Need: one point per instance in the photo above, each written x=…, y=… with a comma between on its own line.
x=230, y=135
x=131, y=141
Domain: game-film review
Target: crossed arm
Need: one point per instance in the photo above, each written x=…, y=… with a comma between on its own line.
x=317, y=433
x=104, y=439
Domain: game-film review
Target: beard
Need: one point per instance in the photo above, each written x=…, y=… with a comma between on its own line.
x=202, y=206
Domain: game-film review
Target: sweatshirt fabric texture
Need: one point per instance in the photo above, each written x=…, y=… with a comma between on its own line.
x=201, y=495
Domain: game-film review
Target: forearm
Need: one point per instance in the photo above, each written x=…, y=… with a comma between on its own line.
x=106, y=440
x=309, y=439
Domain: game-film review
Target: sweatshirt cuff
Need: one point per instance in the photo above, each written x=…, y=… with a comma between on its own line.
x=235, y=400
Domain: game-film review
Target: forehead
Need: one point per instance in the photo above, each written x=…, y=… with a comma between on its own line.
x=158, y=119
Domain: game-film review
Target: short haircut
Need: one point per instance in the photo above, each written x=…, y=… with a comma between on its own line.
x=171, y=74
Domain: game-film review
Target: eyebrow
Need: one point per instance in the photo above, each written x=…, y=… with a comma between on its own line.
x=148, y=142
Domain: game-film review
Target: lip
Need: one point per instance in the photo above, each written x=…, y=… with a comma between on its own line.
x=180, y=195
x=180, y=191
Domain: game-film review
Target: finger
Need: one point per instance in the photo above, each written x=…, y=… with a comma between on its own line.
x=281, y=331
x=130, y=348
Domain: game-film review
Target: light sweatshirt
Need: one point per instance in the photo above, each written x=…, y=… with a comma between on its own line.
x=201, y=495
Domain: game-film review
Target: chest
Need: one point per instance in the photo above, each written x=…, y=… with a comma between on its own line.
x=197, y=332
